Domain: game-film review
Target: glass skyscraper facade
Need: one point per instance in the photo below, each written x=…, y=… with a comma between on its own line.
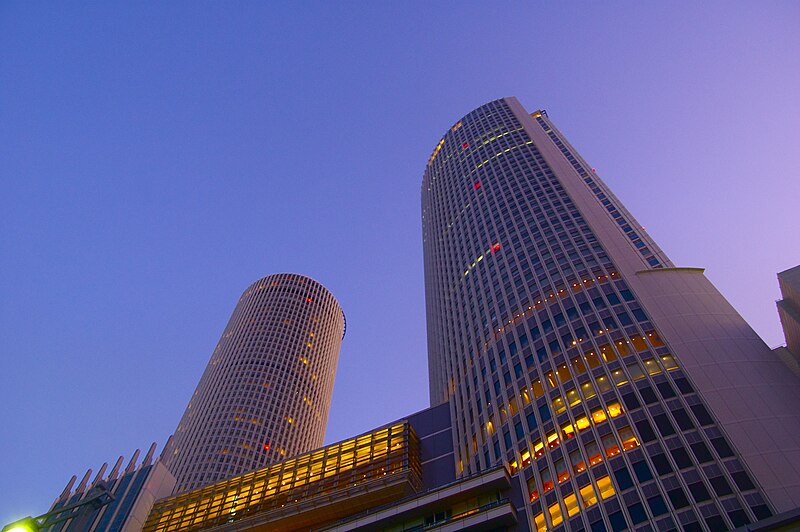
x=266, y=392
x=614, y=385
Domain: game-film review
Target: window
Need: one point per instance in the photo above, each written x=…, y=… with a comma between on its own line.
x=614, y=409
x=561, y=470
x=610, y=445
x=619, y=377
x=576, y=459
x=605, y=487
x=538, y=449
x=637, y=512
x=669, y=362
x=642, y=471
x=582, y=423
x=553, y=440
x=538, y=391
x=571, y=503
x=603, y=384
x=567, y=431
x=563, y=373
x=594, y=454
x=558, y=405
x=588, y=496
x=598, y=416
x=628, y=438
x=662, y=464
x=577, y=365
x=555, y=514
x=678, y=498
x=699, y=492
x=652, y=366
x=624, y=480
x=592, y=359
x=681, y=457
x=587, y=390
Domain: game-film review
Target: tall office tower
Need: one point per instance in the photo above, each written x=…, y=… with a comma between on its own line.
x=620, y=389
x=266, y=392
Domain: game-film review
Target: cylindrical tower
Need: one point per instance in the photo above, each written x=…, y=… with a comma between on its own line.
x=570, y=347
x=266, y=392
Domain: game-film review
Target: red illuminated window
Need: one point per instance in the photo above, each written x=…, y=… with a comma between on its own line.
x=309, y=300
x=477, y=185
x=465, y=146
x=495, y=247
x=266, y=447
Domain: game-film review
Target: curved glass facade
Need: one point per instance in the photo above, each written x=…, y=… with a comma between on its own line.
x=550, y=361
x=266, y=392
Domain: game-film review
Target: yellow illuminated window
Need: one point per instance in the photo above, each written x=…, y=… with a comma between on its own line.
x=572, y=397
x=655, y=339
x=558, y=405
x=598, y=416
x=526, y=399
x=538, y=391
x=587, y=390
x=552, y=440
x=622, y=347
x=541, y=525
x=619, y=377
x=628, y=438
x=551, y=380
x=588, y=496
x=526, y=458
x=512, y=466
x=638, y=343
x=592, y=359
x=568, y=431
x=614, y=409
x=571, y=502
x=605, y=487
x=538, y=449
x=577, y=365
x=669, y=362
x=635, y=370
x=555, y=514
x=582, y=423
x=608, y=353
x=603, y=384
x=652, y=367
x=563, y=373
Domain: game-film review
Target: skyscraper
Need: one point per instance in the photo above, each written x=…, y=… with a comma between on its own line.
x=266, y=392
x=619, y=388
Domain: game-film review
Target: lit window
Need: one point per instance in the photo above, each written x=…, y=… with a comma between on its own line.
x=588, y=496
x=563, y=373
x=592, y=359
x=572, y=397
x=538, y=449
x=561, y=470
x=614, y=409
x=598, y=416
x=635, y=370
x=628, y=438
x=526, y=399
x=605, y=487
x=619, y=377
x=477, y=185
x=587, y=390
x=552, y=440
x=577, y=365
x=547, y=480
x=608, y=353
x=571, y=503
x=541, y=525
x=526, y=458
x=622, y=347
x=610, y=445
x=603, y=384
x=655, y=339
x=512, y=466
x=669, y=362
x=582, y=423
x=568, y=431
x=652, y=366
x=538, y=391
x=576, y=458
x=555, y=514
x=558, y=405
x=551, y=380
x=638, y=343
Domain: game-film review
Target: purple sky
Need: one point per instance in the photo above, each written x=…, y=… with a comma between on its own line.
x=157, y=158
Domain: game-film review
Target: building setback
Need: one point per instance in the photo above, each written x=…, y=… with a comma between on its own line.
x=620, y=389
x=266, y=392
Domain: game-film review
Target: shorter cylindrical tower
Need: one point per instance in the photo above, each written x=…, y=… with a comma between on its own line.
x=266, y=392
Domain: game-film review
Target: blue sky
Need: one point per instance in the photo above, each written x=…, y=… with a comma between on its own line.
x=157, y=158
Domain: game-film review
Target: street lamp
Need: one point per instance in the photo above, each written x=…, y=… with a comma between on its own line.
x=99, y=497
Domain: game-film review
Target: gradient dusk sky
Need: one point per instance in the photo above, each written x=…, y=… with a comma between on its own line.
x=158, y=157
